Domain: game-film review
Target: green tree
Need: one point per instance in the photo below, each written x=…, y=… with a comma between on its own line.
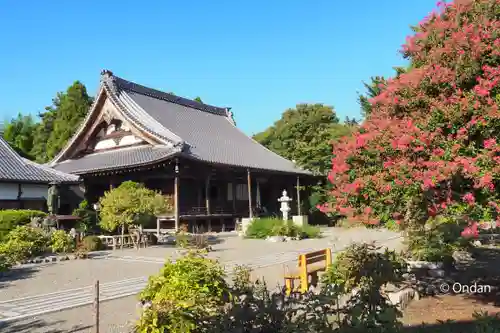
x=42, y=134
x=70, y=109
x=19, y=134
x=304, y=134
x=372, y=89
x=131, y=204
x=198, y=99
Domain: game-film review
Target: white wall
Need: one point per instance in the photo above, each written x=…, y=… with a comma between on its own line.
x=32, y=191
x=9, y=191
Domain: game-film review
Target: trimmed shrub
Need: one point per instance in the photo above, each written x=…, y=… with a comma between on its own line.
x=182, y=295
x=91, y=243
x=264, y=227
x=61, y=242
x=11, y=218
x=22, y=243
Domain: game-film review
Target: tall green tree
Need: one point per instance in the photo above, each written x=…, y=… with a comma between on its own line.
x=372, y=89
x=60, y=121
x=42, y=134
x=19, y=134
x=304, y=134
x=198, y=99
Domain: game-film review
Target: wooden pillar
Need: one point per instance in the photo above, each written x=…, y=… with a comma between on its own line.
x=233, y=184
x=176, y=195
x=299, y=210
x=207, y=195
x=249, y=182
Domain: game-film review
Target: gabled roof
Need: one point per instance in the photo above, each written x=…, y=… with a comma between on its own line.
x=14, y=168
x=194, y=130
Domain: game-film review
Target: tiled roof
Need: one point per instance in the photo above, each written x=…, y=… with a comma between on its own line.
x=17, y=169
x=206, y=131
x=115, y=159
x=198, y=131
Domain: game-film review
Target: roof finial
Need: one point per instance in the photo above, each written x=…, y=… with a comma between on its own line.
x=106, y=73
x=230, y=116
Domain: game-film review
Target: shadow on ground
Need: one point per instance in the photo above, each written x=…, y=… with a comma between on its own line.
x=456, y=327
x=36, y=325
x=17, y=273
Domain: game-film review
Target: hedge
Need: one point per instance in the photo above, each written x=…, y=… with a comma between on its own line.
x=11, y=218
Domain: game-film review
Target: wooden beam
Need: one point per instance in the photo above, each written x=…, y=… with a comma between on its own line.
x=176, y=195
x=249, y=182
x=299, y=210
x=207, y=194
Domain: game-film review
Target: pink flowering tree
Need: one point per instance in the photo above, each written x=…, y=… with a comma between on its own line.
x=430, y=146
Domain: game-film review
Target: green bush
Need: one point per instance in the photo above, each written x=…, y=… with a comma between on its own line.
x=22, y=243
x=11, y=218
x=88, y=217
x=365, y=269
x=436, y=240
x=61, y=242
x=182, y=294
x=264, y=227
x=91, y=243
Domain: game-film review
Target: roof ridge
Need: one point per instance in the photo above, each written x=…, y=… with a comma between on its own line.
x=158, y=94
x=49, y=169
x=109, y=151
x=10, y=150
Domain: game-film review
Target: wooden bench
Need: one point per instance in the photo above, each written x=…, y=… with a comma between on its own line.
x=309, y=265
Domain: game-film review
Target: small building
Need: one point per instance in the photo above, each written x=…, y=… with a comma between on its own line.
x=190, y=150
x=25, y=184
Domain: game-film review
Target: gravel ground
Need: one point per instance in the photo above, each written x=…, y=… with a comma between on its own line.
x=72, y=274
x=116, y=313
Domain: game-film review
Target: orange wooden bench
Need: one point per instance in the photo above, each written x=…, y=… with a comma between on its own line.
x=309, y=265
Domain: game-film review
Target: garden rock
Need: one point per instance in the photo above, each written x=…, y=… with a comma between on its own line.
x=276, y=239
x=436, y=273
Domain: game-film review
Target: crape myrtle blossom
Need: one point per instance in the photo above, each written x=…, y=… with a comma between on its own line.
x=433, y=130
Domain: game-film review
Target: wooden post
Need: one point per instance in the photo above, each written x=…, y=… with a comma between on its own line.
x=96, y=306
x=249, y=181
x=299, y=210
x=207, y=195
x=233, y=184
x=176, y=195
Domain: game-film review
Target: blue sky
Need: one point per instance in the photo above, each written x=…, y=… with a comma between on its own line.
x=258, y=57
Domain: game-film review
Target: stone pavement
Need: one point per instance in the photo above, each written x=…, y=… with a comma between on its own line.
x=25, y=307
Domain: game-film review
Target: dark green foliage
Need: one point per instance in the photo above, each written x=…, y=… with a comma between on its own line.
x=88, y=217
x=304, y=134
x=91, y=243
x=42, y=141
x=264, y=227
x=182, y=294
x=70, y=108
x=11, y=218
x=23, y=242
x=19, y=134
x=372, y=89
x=192, y=296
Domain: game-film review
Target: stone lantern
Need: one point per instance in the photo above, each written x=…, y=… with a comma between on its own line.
x=285, y=207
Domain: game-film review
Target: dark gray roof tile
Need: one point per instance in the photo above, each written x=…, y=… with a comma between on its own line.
x=17, y=169
x=209, y=134
x=115, y=159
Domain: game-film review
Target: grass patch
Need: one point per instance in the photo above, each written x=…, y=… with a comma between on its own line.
x=264, y=227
